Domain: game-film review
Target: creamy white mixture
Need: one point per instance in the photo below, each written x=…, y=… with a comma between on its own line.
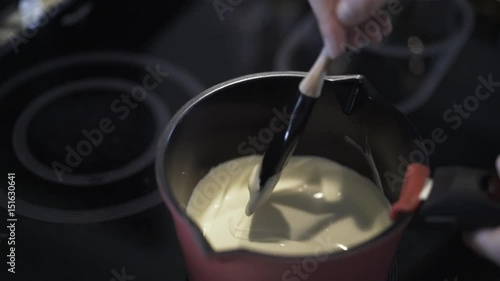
x=317, y=207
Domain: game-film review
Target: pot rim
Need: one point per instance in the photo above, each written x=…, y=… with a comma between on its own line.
x=173, y=205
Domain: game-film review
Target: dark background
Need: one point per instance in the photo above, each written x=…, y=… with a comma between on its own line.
x=249, y=39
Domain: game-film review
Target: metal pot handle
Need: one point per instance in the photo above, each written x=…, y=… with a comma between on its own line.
x=463, y=197
x=458, y=197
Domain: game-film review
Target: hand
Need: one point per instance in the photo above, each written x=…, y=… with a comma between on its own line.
x=487, y=241
x=344, y=22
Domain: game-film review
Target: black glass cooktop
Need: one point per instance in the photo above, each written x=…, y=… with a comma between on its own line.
x=97, y=92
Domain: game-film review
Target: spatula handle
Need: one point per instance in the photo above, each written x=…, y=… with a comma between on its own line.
x=312, y=84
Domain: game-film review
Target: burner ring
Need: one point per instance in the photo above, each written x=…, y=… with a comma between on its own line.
x=177, y=75
x=30, y=161
x=54, y=215
x=187, y=84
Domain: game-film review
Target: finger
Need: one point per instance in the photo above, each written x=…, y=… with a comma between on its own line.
x=387, y=29
x=331, y=30
x=353, y=12
x=498, y=165
x=487, y=243
x=367, y=33
x=333, y=38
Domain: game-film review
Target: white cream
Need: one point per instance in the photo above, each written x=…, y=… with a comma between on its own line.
x=259, y=196
x=317, y=207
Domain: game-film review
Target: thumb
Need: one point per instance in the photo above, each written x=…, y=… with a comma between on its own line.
x=487, y=243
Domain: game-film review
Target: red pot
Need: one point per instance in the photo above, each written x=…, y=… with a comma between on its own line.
x=215, y=127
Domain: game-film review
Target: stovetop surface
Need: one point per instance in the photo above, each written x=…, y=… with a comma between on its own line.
x=88, y=233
